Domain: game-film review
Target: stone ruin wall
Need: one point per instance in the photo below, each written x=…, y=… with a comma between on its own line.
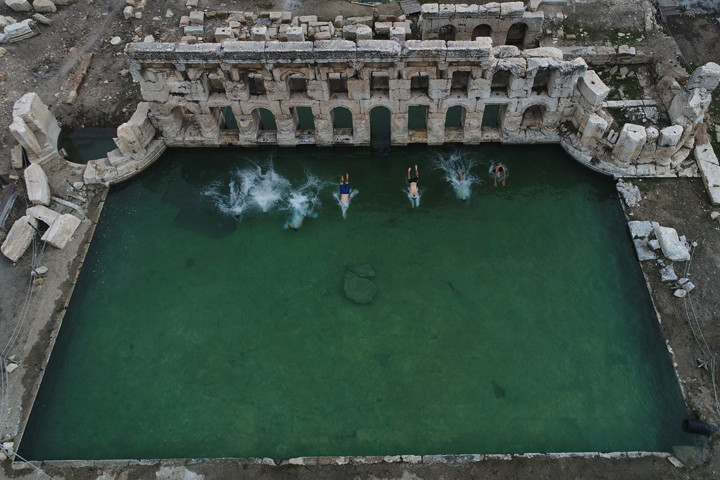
x=251, y=93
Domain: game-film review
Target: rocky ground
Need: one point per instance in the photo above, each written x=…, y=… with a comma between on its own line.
x=45, y=64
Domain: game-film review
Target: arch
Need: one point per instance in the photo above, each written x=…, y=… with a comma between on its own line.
x=516, y=35
x=447, y=32
x=229, y=120
x=533, y=116
x=482, y=30
x=304, y=118
x=380, y=126
x=264, y=119
x=455, y=117
x=341, y=118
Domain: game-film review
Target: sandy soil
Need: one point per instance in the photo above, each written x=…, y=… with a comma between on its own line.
x=45, y=63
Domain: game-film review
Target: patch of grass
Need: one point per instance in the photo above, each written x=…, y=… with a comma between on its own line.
x=614, y=36
x=622, y=88
x=265, y=5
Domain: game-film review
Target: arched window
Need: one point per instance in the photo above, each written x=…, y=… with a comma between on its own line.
x=481, y=31
x=380, y=127
x=447, y=32
x=516, y=35
x=455, y=117
x=341, y=118
x=533, y=116
x=266, y=119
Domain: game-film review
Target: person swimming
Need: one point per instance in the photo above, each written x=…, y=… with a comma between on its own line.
x=499, y=172
x=344, y=193
x=413, y=192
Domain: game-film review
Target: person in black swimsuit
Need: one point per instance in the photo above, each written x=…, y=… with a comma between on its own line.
x=413, y=192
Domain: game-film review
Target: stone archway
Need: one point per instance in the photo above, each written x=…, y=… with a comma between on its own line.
x=447, y=32
x=516, y=35
x=482, y=31
x=533, y=116
x=380, y=126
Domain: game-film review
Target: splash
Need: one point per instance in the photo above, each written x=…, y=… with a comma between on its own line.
x=499, y=173
x=250, y=189
x=414, y=199
x=345, y=206
x=457, y=170
x=268, y=188
x=303, y=201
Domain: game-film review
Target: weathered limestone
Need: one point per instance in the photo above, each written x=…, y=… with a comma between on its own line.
x=43, y=214
x=61, y=230
x=38, y=188
x=629, y=144
x=19, y=237
x=19, y=5
x=44, y=6
x=466, y=22
x=35, y=128
x=709, y=168
x=20, y=30
x=670, y=244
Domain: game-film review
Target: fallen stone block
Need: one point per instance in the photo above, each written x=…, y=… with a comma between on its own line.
x=19, y=237
x=629, y=192
x=667, y=274
x=44, y=6
x=19, y=5
x=21, y=30
x=40, y=18
x=61, y=230
x=197, y=17
x=38, y=188
x=644, y=252
x=44, y=214
x=671, y=246
x=641, y=228
x=16, y=158
x=5, y=21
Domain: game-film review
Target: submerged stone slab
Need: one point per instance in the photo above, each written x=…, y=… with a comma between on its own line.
x=359, y=289
x=38, y=188
x=60, y=232
x=671, y=246
x=19, y=237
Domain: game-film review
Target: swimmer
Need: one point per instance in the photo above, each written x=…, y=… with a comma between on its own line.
x=499, y=171
x=464, y=193
x=235, y=211
x=413, y=193
x=296, y=221
x=345, y=193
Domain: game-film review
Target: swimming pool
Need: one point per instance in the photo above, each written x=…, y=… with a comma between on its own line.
x=517, y=321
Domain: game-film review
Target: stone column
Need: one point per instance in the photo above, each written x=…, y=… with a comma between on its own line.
x=399, y=128
x=629, y=144
x=593, y=130
x=285, y=130
x=361, y=129
x=35, y=128
x=471, y=131
x=436, y=129
x=324, y=130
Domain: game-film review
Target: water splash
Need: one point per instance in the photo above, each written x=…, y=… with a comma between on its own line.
x=303, y=201
x=499, y=173
x=251, y=188
x=414, y=199
x=457, y=170
x=268, y=188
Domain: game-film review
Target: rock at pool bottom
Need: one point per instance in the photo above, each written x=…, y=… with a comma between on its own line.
x=357, y=284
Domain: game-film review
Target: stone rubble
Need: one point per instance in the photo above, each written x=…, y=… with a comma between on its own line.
x=61, y=230
x=671, y=246
x=19, y=237
x=630, y=193
x=36, y=182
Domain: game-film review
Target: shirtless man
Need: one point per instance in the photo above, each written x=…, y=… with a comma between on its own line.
x=413, y=187
x=345, y=193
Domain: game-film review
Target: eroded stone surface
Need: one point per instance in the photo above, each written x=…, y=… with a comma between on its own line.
x=19, y=237
x=671, y=246
x=61, y=230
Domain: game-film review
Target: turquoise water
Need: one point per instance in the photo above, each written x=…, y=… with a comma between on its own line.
x=515, y=322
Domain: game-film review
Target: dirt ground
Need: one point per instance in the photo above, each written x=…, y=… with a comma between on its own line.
x=44, y=64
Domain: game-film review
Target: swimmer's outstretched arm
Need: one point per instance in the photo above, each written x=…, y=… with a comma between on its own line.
x=409, y=168
x=461, y=175
x=416, y=172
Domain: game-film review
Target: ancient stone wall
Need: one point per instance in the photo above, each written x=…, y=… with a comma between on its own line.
x=334, y=92
x=505, y=23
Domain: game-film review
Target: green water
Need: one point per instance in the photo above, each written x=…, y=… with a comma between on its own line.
x=516, y=322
